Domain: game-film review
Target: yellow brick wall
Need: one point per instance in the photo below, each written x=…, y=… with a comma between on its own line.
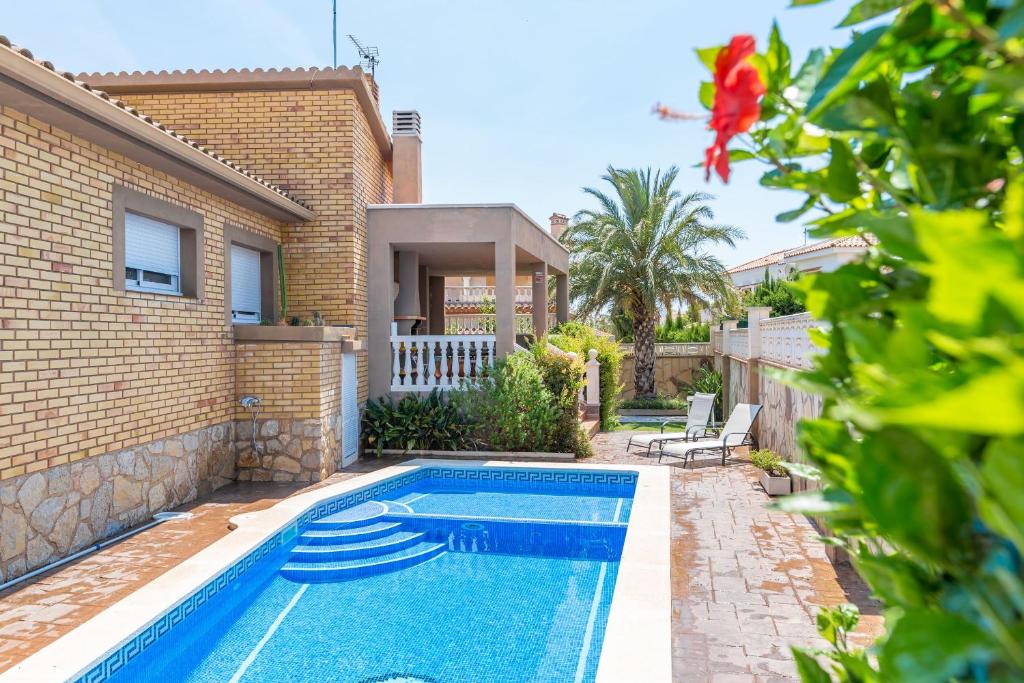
x=85, y=369
x=286, y=376
x=318, y=146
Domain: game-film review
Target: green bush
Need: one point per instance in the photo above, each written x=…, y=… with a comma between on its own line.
x=779, y=295
x=656, y=403
x=512, y=410
x=563, y=376
x=579, y=338
x=415, y=423
x=707, y=380
x=914, y=132
x=682, y=332
x=768, y=461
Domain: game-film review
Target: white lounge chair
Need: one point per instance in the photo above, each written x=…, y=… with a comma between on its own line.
x=736, y=432
x=697, y=418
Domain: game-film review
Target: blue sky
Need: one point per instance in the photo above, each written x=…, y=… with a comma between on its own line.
x=524, y=101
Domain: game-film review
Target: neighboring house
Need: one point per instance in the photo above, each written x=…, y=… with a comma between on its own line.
x=824, y=256
x=143, y=216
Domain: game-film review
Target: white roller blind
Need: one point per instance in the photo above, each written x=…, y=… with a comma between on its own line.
x=245, y=279
x=151, y=245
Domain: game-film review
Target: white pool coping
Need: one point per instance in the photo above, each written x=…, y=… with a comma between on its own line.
x=638, y=638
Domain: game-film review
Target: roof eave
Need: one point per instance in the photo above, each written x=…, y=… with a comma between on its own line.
x=59, y=96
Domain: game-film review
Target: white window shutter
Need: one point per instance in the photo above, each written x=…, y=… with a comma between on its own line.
x=245, y=280
x=151, y=245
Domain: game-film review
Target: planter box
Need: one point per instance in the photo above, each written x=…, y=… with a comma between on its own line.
x=651, y=412
x=480, y=455
x=776, y=486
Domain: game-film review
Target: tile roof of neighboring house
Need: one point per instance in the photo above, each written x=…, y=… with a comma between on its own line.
x=760, y=262
x=131, y=111
x=853, y=241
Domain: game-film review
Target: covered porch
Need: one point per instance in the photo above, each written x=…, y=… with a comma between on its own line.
x=412, y=249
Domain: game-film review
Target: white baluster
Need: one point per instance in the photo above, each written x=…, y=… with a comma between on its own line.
x=395, y=367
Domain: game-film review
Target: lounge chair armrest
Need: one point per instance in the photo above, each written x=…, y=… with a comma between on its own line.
x=748, y=438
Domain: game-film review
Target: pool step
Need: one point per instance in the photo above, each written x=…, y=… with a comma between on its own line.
x=359, y=515
x=340, y=570
x=398, y=540
x=349, y=535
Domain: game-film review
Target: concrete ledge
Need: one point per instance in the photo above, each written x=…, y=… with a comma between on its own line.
x=289, y=334
x=484, y=455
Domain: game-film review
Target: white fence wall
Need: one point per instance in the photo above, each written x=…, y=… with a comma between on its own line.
x=786, y=340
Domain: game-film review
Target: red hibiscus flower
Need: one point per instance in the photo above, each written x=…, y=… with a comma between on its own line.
x=738, y=91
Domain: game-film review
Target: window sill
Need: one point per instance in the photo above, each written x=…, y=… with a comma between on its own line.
x=143, y=290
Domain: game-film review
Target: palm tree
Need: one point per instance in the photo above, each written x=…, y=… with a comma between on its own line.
x=646, y=242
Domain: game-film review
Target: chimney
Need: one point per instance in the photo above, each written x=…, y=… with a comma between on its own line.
x=407, y=168
x=559, y=222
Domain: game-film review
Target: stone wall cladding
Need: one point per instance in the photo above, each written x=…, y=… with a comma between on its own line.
x=85, y=369
x=288, y=450
x=50, y=514
x=783, y=407
x=317, y=144
x=739, y=385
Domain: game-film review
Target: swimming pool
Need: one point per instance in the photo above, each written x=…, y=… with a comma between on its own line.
x=442, y=573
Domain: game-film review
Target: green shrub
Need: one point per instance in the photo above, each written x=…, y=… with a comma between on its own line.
x=512, y=410
x=415, y=423
x=579, y=338
x=778, y=295
x=707, y=380
x=563, y=377
x=681, y=332
x=656, y=403
x=768, y=461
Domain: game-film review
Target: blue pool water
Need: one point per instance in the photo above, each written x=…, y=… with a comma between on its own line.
x=444, y=579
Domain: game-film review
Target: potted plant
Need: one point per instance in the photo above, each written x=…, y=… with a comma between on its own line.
x=774, y=478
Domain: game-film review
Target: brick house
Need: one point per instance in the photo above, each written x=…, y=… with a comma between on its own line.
x=144, y=217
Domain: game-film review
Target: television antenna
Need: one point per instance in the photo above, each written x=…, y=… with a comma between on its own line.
x=369, y=56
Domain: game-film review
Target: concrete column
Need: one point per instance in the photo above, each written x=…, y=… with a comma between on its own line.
x=380, y=312
x=540, y=299
x=727, y=325
x=408, y=301
x=505, y=295
x=754, y=317
x=424, y=293
x=593, y=384
x=562, y=298
x=436, y=299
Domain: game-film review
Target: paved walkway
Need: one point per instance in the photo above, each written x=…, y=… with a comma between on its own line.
x=746, y=582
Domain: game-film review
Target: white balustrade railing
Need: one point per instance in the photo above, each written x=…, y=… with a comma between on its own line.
x=471, y=294
x=786, y=340
x=673, y=349
x=423, y=363
x=486, y=323
x=738, y=343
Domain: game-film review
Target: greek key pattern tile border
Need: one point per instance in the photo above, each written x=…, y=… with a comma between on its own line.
x=114, y=662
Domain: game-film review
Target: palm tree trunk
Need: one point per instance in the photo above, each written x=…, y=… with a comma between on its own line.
x=643, y=353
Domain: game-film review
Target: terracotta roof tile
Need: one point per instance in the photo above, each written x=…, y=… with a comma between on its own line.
x=24, y=52
x=775, y=257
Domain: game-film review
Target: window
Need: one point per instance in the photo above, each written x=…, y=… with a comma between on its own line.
x=250, y=276
x=246, y=283
x=152, y=255
x=158, y=246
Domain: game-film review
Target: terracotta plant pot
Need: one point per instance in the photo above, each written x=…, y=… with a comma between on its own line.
x=776, y=486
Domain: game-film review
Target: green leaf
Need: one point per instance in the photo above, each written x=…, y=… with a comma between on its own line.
x=708, y=55
x=869, y=9
x=834, y=622
x=808, y=668
x=841, y=184
x=802, y=470
x=707, y=94
x=1011, y=25
x=804, y=3
x=813, y=503
x=1002, y=473
x=927, y=645
x=847, y=69
x=793, y=214
x=799, y=91
x=778, y=59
